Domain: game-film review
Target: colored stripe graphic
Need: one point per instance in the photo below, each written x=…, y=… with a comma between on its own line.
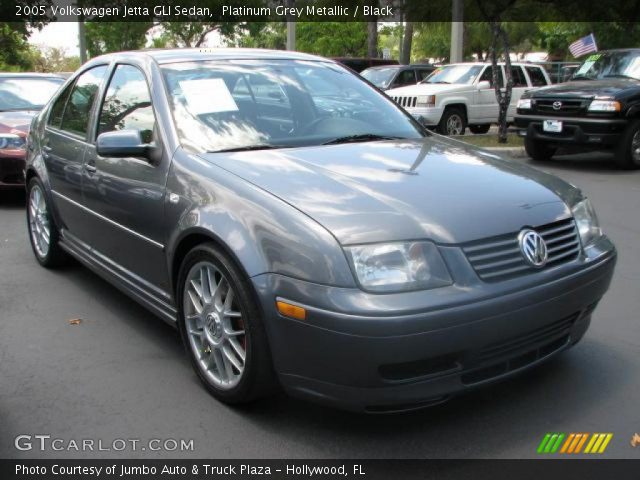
x=574, y=442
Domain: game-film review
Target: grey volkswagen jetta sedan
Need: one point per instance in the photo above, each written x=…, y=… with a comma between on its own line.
x=301, y=230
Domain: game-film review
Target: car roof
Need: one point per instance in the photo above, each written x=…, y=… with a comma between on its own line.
x=174, y=55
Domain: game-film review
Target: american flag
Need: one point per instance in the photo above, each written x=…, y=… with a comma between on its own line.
x=583, y=45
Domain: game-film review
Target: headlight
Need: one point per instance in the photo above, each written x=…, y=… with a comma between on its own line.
x=10, y=141
x=426, y=101
x=524, y=103
x=604, y=106
x=396, y=267
x=587, y=222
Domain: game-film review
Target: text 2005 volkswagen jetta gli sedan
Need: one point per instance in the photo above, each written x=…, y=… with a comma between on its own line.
x=303, y=230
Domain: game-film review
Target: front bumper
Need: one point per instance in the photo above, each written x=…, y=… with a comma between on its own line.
x=578, y=131
x=427, y=116
x=12, y=167
x=384, y=353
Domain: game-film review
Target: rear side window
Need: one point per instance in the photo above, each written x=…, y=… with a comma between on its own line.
x=127, y=104
x=517, y=75
x=536, y=76
x=423, y=73
x=77, y=111
x=406, y=77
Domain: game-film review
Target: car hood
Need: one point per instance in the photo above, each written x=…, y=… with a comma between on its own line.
x=16, y=122
x=427, y=89
x=429, y=188
x=587, y=88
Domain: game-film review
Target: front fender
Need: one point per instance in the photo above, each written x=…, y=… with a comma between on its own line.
x=263, y=233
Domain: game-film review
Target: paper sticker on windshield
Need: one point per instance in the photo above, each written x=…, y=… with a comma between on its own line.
x=594, y=57
x=584, y=68
x=208, y=95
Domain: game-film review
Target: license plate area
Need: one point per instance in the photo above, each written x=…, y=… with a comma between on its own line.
x=552, y=126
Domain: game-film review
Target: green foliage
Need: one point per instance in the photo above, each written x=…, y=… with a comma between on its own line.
x=105, y=37
x=51, y=59
x=15, y=52
x=332, y=39
x=264, y=35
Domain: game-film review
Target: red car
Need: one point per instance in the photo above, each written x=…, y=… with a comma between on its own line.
x=22, y=95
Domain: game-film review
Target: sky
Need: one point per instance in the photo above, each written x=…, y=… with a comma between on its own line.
x=65, y=35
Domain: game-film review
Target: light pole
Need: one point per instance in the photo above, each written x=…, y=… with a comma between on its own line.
x=457, y=30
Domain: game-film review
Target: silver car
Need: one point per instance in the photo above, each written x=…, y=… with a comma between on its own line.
x=303, y=231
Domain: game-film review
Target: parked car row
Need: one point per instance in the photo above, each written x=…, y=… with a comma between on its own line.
x=22, y=95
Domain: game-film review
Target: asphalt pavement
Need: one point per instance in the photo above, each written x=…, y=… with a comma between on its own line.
x=121, y=372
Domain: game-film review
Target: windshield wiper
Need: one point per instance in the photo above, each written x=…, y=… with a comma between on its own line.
x=360, y=138
x=250, y=147
x=619, y=75
x=439, y=81
x=581, y=77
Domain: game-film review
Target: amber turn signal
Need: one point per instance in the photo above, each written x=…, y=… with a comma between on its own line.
x=292, y=311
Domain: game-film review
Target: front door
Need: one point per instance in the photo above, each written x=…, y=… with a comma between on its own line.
x=127, y=194
x=64, y=145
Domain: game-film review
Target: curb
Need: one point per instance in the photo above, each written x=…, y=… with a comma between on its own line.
x=514, y=152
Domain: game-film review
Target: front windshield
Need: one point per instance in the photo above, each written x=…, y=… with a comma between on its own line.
x=276, y=104
x=464, y=74
x=380, y=77
x=608, y=65
x=26, y=93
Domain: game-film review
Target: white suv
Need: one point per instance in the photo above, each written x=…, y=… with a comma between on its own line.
x=461, y=94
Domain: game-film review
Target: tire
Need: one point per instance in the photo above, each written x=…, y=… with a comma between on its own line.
x=478, y=129
x=211, y=338
x=453, y=122
x=627, y=154
x=43, y=232
x=538, y=151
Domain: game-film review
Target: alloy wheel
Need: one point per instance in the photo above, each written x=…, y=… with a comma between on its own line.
x=635, y=148
x=39, y=221
x=454, y=125
x=214, y=325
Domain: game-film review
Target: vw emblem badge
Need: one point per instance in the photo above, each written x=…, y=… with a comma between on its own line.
x=533, y=248
x=557, y=105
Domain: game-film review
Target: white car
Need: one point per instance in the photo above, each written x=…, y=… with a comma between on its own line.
x=461, y=94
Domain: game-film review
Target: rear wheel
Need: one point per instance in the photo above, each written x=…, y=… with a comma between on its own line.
x=453, y=122
x=628, y=151
x=43, y=233
x=479, y=128
x=222, y=328
x=537, y=150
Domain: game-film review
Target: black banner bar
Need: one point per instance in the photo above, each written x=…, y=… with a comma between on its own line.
x=544, y=469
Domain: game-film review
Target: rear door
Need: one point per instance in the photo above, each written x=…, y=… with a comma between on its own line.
x=127, y=194
x=64, y=144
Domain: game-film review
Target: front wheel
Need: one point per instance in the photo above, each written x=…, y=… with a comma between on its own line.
x=453, y=122
x=628, y=151
x=537, y=150
x=43, y=233
x=222, y=328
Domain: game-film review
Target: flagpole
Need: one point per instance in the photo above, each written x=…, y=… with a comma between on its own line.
x=593, y=37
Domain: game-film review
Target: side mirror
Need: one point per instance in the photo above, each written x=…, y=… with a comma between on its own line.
x=123, y=143
x=484, y=85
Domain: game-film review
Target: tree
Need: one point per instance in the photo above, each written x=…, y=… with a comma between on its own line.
x=499, y=44
x=52, y=59
x=332, y=39
x=407, y=40
x=105, y=37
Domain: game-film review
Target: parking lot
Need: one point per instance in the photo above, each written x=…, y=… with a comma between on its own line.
x=121, y=373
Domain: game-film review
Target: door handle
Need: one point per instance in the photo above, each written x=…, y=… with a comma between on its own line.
x=46, y=149
x=90, y=168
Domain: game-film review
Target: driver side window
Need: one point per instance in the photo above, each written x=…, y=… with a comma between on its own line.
x=127, y=104
x=487, y=75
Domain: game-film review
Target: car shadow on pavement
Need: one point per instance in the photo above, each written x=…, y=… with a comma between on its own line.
x=593, y=162
x=12, y=199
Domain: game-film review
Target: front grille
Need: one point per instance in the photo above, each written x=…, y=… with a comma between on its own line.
x=499, y=258
x=566, y=106
x=406, y=102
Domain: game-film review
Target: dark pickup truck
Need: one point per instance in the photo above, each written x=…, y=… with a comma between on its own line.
x=598, y=109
